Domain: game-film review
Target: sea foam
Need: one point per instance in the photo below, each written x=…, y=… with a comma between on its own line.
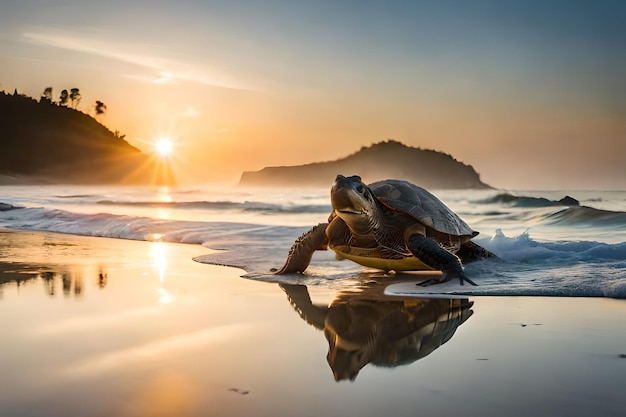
x=526, y=265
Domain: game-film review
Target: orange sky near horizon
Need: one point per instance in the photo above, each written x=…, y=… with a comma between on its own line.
x=531, y=95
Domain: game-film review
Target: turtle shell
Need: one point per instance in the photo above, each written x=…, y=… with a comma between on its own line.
x=421, y=205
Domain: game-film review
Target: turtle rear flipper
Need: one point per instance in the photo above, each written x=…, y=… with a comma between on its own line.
x=436, y=256
x=302, y=250
x=470, y=251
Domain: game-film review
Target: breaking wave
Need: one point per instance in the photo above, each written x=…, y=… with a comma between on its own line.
x=588, y=216
x=526, y=266
x=527, y=202
x=565, y=212
x=246, y=206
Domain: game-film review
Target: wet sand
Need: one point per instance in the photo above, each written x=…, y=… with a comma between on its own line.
x=104, y=327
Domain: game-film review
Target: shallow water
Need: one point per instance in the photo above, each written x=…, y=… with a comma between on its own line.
x=544, y=247
x=102, y=327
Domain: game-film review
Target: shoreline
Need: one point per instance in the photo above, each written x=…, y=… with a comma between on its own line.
x=141, y=321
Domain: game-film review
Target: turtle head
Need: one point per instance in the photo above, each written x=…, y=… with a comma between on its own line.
x=354, y=203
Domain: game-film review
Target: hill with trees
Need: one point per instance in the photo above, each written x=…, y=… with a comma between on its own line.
x=383, y=160
x=50, y=142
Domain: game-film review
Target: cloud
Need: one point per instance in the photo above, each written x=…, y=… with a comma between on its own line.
x=191, y=112
x=165, y=78
x=168, y=70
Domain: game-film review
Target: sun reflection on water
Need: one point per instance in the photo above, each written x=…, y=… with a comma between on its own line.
x=163, y=194
x=164, y=296
x=158, y=251
x=163, y=214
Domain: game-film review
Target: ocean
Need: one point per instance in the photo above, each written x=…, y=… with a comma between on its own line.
x=544, y=248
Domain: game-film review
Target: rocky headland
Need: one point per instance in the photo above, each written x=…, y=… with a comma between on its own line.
x=388, y=159
x=43, y=142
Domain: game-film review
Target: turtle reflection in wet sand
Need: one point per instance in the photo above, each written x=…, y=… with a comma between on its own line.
x=382, y=330
x=391, y=225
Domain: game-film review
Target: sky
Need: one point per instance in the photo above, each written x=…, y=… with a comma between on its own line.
x=532, y=94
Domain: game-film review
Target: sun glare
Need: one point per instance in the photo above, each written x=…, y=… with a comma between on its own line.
x=162, y=160
x=164, y=147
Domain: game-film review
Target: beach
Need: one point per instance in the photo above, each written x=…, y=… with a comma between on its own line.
x=319, y=209
x=95, y=326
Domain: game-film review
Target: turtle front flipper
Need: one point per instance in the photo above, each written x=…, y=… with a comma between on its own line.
x=302, y=250
x=436, y=256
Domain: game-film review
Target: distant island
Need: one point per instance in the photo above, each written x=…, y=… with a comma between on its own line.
x=388, y=159
x=44, y=142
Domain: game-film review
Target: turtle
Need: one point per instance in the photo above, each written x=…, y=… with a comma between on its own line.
x=390, y=225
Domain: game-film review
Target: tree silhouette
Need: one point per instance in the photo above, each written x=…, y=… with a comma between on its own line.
x=46, y=96
x=64, y=99
x=119, y=135
x=75, y=97
x=100, y=107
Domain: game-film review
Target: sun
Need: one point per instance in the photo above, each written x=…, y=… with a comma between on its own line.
x=164, y=147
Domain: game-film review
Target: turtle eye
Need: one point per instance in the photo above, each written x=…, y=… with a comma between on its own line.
x=366, y=194
x=359, y=189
